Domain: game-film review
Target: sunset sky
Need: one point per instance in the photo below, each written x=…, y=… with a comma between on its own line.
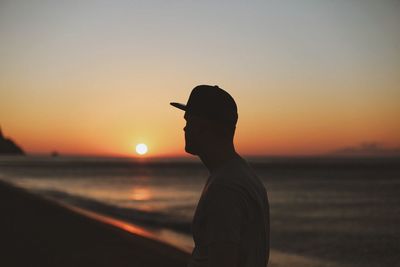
x=96, y=77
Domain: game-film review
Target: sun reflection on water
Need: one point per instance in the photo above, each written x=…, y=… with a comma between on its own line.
x=140, y=194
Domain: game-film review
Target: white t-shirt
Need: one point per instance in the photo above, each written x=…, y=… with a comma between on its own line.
x=233, y=207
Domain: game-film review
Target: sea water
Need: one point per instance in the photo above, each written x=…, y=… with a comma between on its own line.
x=335, y=209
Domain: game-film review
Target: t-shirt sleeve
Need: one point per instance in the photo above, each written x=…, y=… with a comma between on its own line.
x=225, y=209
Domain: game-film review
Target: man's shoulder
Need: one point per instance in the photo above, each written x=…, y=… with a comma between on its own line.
x=222, y=198
x=236, y=168
x=237, y=174
x=240, y=178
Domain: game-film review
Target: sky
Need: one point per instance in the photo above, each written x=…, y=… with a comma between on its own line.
x=96, y=77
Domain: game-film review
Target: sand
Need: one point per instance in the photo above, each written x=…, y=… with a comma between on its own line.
x=38, y=232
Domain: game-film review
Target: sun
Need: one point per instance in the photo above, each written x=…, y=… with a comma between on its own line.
x=141, y=149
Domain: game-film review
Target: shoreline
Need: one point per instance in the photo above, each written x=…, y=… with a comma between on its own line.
x=135, y=229
x=41, y=232
x=320, y=216
x=139, y=246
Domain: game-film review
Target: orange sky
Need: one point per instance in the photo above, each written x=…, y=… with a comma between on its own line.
x=98, y=79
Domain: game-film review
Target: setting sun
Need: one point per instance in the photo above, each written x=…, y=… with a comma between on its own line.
x=141, y=149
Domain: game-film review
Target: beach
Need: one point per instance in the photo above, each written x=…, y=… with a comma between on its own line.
x=37, y=232
x=118, y=212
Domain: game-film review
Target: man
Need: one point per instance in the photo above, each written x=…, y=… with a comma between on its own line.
x=231, y=223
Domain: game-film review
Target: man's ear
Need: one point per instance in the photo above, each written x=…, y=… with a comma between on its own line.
x=208, y=131
x=201, y=124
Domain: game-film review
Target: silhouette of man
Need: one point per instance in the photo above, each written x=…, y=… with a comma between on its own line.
x=231, y=223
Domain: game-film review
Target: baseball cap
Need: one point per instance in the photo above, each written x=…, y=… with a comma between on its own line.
x=211, y=102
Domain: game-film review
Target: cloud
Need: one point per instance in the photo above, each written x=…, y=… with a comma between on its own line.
x=367, y=149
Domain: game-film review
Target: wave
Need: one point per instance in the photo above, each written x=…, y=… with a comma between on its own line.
x=135, y=216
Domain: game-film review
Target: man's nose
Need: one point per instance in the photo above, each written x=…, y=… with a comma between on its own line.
x=184, y=128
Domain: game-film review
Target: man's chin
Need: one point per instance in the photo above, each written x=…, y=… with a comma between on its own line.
x=190, y=150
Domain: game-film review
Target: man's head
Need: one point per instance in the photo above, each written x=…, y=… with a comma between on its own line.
x=211, y=116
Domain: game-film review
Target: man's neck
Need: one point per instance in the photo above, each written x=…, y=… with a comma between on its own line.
x=217, y=158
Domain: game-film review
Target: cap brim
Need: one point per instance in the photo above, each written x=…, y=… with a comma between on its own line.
x=178, y=105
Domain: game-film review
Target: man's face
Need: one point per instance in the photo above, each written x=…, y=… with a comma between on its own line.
x=192, y=131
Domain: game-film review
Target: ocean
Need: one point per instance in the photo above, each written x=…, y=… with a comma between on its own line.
x=325, y=211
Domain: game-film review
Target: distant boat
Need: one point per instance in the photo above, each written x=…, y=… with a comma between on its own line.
x=54, y=154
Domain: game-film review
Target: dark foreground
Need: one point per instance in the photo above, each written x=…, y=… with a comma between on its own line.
x=36, y=232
